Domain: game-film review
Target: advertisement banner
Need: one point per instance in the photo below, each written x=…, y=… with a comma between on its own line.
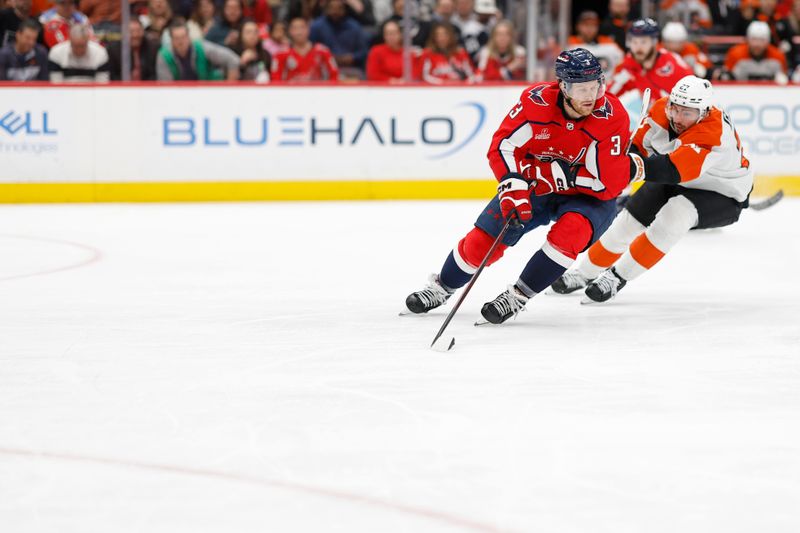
x=261, y=134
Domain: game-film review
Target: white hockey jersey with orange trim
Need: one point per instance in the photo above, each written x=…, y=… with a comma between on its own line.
x=708, y=155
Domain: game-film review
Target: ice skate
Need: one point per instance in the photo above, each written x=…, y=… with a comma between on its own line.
x=431, y=297
x=506, y=305
x=569, y=282
x=605, y=287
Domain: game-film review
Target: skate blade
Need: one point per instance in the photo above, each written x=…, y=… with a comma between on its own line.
x=588, y=301
x=443, y=344
x=481, y=322
x=409, y=313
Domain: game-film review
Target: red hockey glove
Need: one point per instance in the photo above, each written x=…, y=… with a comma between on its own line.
x=556, y=176
x=515, y=197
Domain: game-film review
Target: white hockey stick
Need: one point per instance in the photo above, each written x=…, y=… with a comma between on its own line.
x=642, y=116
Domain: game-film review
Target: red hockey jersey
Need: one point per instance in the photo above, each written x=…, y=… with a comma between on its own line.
x=537, y=131
x=434, y=67
x=316, y=65
x=667, y=70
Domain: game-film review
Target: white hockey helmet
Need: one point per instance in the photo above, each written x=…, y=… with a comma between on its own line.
x=758, y=29
x=694, y=92
x=674, y=32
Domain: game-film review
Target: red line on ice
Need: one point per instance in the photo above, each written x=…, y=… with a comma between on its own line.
x=421, y=512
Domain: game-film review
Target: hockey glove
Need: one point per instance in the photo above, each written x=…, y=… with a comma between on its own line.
x=556, y=176
x=637, y=167
x=515, y=197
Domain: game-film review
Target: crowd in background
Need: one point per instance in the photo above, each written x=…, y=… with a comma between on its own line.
x=467, y=41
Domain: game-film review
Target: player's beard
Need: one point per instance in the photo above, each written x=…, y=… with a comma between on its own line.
x=577, y=108
x=647, y=57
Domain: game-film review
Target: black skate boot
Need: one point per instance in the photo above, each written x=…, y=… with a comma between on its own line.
x=506, y=305
x=431, y=297
x=569, y=282
x=605, y=287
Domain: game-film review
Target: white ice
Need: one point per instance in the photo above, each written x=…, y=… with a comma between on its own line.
x=242, y=368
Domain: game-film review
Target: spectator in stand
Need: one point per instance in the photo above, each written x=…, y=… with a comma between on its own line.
x=756, y=59
x=473, y=34
x=305, y=9
x=24, y=59
x=616, y=24
x=40, y=6
x=420, y=30
x=143, y=55
x=105, y=15
x=443, y=59
x=383, y=9
x=780, y=28
x=78, y=60
x=226, y=30
x=58, y=21
x=587, y=35
x=202, y=19
x=11, y=18
x=445, y=11
x=385, y=61
x=157, y=20
x=360, y=10
x=793, y=20
x=502, y=59
x=278, y=40
x=181, y=8
x=304, y=60
x=696, y=12
x=255, y=62
x=488, y=13
x=675, y=38
x=344, y=37
x=191, y=60
x=741, y=19
x=259, y=11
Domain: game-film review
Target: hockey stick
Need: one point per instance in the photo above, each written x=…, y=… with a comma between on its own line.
x=445, y=346
x=642, y=115
x=767, y=202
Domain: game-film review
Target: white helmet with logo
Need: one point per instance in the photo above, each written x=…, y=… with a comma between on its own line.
x=694, y=92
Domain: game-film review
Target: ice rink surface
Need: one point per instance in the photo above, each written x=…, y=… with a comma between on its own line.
x=242, y=368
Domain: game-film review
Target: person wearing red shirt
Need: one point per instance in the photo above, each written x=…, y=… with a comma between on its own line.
x=501, y=59
x=259, y=11
x=443, y=60
x=385, y=61
x=647, y=65
x=304, y=61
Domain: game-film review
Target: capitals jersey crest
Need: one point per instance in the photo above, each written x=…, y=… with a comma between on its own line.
x=536, y=97
x=666, y=70
x=604, y=111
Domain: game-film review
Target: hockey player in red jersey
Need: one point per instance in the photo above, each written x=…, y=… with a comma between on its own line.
x=559, y=156
x=646, y=65
x=695, y=176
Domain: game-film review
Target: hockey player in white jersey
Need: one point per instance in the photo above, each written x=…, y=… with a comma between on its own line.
x=695, y=176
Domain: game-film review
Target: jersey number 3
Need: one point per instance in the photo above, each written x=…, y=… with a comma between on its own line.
x=516, y=111
x=615, y=149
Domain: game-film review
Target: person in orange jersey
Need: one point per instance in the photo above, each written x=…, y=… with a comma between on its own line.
x=675, y=38
x=695, y=176
x=756, y=59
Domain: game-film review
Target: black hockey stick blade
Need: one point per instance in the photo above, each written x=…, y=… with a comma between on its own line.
x=511, y=220
x=767, y=202
x=442, y=344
